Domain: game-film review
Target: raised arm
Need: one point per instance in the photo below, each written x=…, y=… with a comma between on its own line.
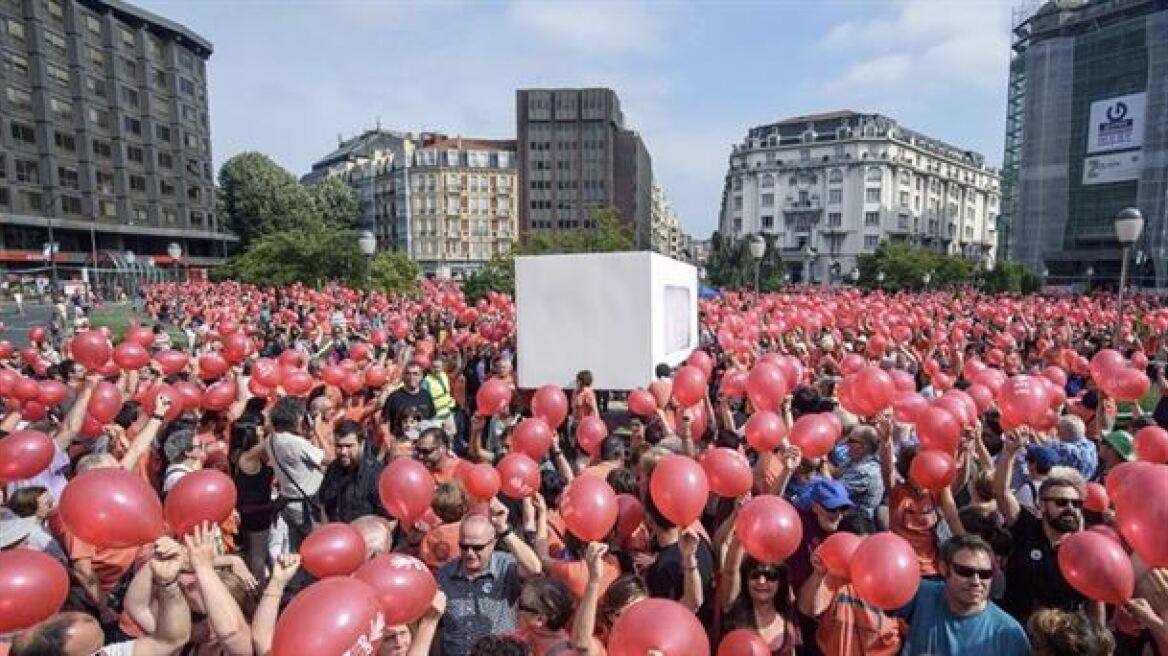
x=730, y=582
x=173, y=628
x=584, y=625
x=428, y=626
x=226, y=619
x=693, y=596
x=263, y=623
x=1007, y=504
x=529, y=564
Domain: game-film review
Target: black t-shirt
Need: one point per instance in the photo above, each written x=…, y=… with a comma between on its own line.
x=401, y=400
x=665, y=578
x=1033, y=579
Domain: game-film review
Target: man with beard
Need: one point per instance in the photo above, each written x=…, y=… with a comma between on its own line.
x=1033, y=578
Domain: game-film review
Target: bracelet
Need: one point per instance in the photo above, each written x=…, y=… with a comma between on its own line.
x=502, y=535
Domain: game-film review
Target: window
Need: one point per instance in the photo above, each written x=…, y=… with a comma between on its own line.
x=19, y=99
x=874, y=174
x=805, y=154
x=3, y=170
x=99, y=117
x=4, y=200
x=194, y=194
x=93, y=24
x=158, y=78
x=127, y=37
x=128, y=68
x=871, y=242
x=23, y=133
x=62, y=109
x=872, y=195
x=70, y=204
x=105, y=182
x=162, y=132
x=68, y=178
x=135, y=154
x=186, y=60
x=872, y=219
x=187, y=87
x=16, y=66
x=738, y=202
x=65, y=142
x=56, y=11
x=56, y=44
x=130, y=97
x=168, y=216
x=132, y=125
x=102, y=149
x=26, y=171
x=768, y=222
x=107, y=208
x=768, y=180
x=138, y=183
x=15, y=29
x=95, y=86
x=768, y=200
x=165, y=188
x=834, y=219
x=902, y=221
x=835, y=196
x=904, y=199
x=153, y=47
x=58, y=75
x=31, y=200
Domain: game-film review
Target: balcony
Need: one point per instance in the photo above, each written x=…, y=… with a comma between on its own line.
x=809, y=204
x=834, y=230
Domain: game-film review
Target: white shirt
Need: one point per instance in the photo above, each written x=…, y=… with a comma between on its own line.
x=296, y=462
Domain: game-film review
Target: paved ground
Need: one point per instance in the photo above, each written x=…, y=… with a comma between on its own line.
x=16, y=326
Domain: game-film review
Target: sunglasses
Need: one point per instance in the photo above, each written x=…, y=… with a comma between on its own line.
x=966, y=572
x=1063, y=503
x=422, y=453
x=768, y=574
x=477, y=548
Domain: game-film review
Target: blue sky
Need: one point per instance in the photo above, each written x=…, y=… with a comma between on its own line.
x=288, y=76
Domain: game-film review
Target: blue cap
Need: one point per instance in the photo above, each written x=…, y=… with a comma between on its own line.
x=1042, y=456
x=830, y=494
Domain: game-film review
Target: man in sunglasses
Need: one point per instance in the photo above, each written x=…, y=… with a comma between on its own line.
x=955, y=615
x=1033, y=578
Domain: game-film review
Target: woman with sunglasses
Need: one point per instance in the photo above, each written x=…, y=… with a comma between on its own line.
x=758, y=596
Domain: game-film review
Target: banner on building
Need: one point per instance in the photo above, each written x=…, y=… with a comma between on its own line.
x=1116, y=123
x=1113, y=167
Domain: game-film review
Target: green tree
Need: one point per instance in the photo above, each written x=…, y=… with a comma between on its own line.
x=497, y=276
x=904, y=268
x=733, y=267
x=394, y=272
x=257, y=197
x=608, y=234
x=313, y=255
x=334, y=202
x=1011, y=277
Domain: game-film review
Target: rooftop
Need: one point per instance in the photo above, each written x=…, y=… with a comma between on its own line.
x=822, y=116
x=134, y=15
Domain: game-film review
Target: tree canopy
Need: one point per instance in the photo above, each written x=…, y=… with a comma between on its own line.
x=313, y=255
x=394, y=272
x=731, y=265
x=904, y=268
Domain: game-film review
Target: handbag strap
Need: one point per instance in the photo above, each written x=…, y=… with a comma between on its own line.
x=304, y=496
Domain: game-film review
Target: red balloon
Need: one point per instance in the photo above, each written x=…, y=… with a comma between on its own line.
x=91, y=428
x=767, y=386
x=6, y=349
x=332, y=374
x=680, y=489
x=105, y=402
x=661, y=625
x=903, y=380
x=938, y=429
x=769, y=528
x=1117, y=476
x=1055, y=375
x=33, y=587
x=266, y=371
x=1096, y=499
x=376, y=376
x=37, y=334
x=111, y=508
x=91, y=349
x=815, y=434
x=837, y=551
x=734, y=385
x=642, y=403
x=728, y=472
x=743, y=642
x=875, y=388
x=906, y=406
x=1141, y=508
x=932, y=470
x=482, y=481
x=493, y=397
x=852, y=363
x=176, y=401
x=765, y=430
x=1151, y=444
x=630, y=516
x=1105, y=361
x=33, y=411
x=227, y=328
x=360, y=352
x=404, y=586
x=30, y=356
x=1127, y=384
x=190, y=393
x=207, y=495
x=550, y=404
x=52, y=393
x=353, y=382
x=333, y=549
x=24, y=454
x=131, y=355
x=26, y=389
x=689, y=386
x=291, y=358
x=236, y=347
x=172, y=362
x=703, y=361
x=339, y=615
x=589, y=508
x=298, y=382
x=406, y=488
x=885, y=571
x=220, y=395
x=590, y=434
x=982, y=397
x=533, y=437
x=141, y=335
x=212, y=366
x=258, y=389
x=1097, y=567
x=519, y=475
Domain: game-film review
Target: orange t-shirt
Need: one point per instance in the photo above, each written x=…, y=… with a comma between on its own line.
x=574, y=573
x=109, y=565
x=447, y=473
x=601, y=469
x=852, y=627
x=913, y=516
x=583, y=403
x=440, y=545
x=767, y=471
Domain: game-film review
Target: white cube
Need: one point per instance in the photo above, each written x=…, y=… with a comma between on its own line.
x=617, y=315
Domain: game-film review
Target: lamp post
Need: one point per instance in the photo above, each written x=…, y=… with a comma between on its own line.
x=880, y=279
x=927, y=278
x=854, y=276
x=175, y=251
x=133, y=282
x=1090, y=274
x=1128, y=226
x=50, y=250
x=757, y=251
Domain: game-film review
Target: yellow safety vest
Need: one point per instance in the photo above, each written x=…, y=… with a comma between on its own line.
x=439, y=387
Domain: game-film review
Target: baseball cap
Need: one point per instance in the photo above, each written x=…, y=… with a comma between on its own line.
x=830, y=494
x=1042, y=456
x=1121, y=442
x=14, y=529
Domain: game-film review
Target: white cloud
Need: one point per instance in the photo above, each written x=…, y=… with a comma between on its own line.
x=604, y=28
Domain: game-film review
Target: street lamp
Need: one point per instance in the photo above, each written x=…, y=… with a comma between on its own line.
x=879, y=278
x=1090, y=274
x=367, y=242
x=50, y=250
x=174, y=250
x=757, y=250
x=1128, y=226
x=854, y=276
x=927, y=278
x=133, y=282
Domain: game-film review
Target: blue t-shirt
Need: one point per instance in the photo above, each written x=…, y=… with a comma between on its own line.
x=936, y=631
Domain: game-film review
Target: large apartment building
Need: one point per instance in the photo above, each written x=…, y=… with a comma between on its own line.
x=830, y=187
x=448, y=202
x=104, y=138
x=576, y=156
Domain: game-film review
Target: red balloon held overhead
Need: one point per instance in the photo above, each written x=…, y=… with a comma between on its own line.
x=111, y=508
x=885, y=571
x=6, y=349
x=769, y=528
x=212, y=366
x=1097, y=566
x=131, y=355
x=376, y=377
x=589, y=508
x=493, y=397
x=171, y=362
x=353, y=382
x=875, y=388
x=689, y=386
x=836, y=552
x=590, y=434
x=291, y=358
x=236, y=347
x=906, y=406
x=550, y=404
x=658, y=625
x=405, y=488
x=151, y=399
x=53, y=392
x=105, y=402
x=297, y=382
x=219, y=396
x=339, y=615
x=938, y=429
x=333, y=549
x=37, y=334
x=532, y=437
x=33, y=587
x=733, y=385
x=680, y=489
x=91, y=349
x=26, y=389
x=191, y=394
x=630, y=516
x=815, y=434
x=207, y=495
x=482, y=481
x=852, y=363
x=767, y=386
x=33, y=411
x=141, y=335
x=24, y=454
x=1141, y=509
x=332, y=374
x=1096, y=499
x=30, y=356
x=519, y=475
x=765, y=430
x=403, y=584
x=932, y=470
x=642, y=403
x=1151, y=444
x=728, y=472
x=703, y=361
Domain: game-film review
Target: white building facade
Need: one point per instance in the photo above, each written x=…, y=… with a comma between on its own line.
x=667, y=236
x=830, y=187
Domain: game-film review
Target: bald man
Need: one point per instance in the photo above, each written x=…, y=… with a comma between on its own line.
x=377, y=533
x=482, y=585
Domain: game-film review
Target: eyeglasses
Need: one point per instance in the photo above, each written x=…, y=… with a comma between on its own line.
x=1063, y=503
x=768, y=574
x=964, y=571
x=524, y=608
x=477, y=548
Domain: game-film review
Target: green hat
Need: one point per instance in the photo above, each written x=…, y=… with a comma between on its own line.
x=1121, y=441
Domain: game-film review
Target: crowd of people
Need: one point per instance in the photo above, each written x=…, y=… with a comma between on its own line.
x=291, y=471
